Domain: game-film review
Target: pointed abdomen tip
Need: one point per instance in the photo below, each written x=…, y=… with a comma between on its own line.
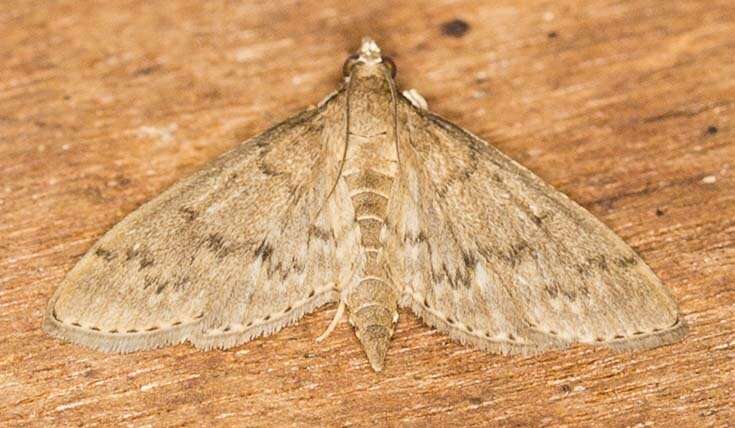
x=375, y=340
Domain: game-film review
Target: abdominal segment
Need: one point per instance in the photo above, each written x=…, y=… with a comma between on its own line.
x=373, y=302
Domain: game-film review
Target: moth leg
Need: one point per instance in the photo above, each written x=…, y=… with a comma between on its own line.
x=334, y=322
x=416, y=99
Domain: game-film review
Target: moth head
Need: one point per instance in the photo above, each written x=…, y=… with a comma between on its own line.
x=369, y=59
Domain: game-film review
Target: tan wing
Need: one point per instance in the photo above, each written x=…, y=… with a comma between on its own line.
x=240, y=249
x=495, y=257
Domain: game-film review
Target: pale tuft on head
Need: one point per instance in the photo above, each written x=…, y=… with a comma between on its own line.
x=369, y=51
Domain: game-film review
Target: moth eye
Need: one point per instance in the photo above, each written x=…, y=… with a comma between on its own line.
x=388, y=61
x=349, y=62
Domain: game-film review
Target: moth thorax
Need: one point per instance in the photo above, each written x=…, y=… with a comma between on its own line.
x=371, y=140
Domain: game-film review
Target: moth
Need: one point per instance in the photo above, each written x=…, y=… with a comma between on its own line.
x=369, y=201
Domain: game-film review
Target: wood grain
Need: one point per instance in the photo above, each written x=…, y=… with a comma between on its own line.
x=627, y=106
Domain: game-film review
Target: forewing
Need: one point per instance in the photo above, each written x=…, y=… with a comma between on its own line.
x=492, y=255
x=223, y=256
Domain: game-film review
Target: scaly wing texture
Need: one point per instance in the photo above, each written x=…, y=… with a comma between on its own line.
x=242, y=248
x=490, y=254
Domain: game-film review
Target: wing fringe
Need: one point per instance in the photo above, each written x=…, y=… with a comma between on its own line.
x=121, y=342
x=220, y=339
x=490, y=344
x=543, y=342
x=657, y=338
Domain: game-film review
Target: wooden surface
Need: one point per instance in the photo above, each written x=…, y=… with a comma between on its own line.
x=625, y=105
